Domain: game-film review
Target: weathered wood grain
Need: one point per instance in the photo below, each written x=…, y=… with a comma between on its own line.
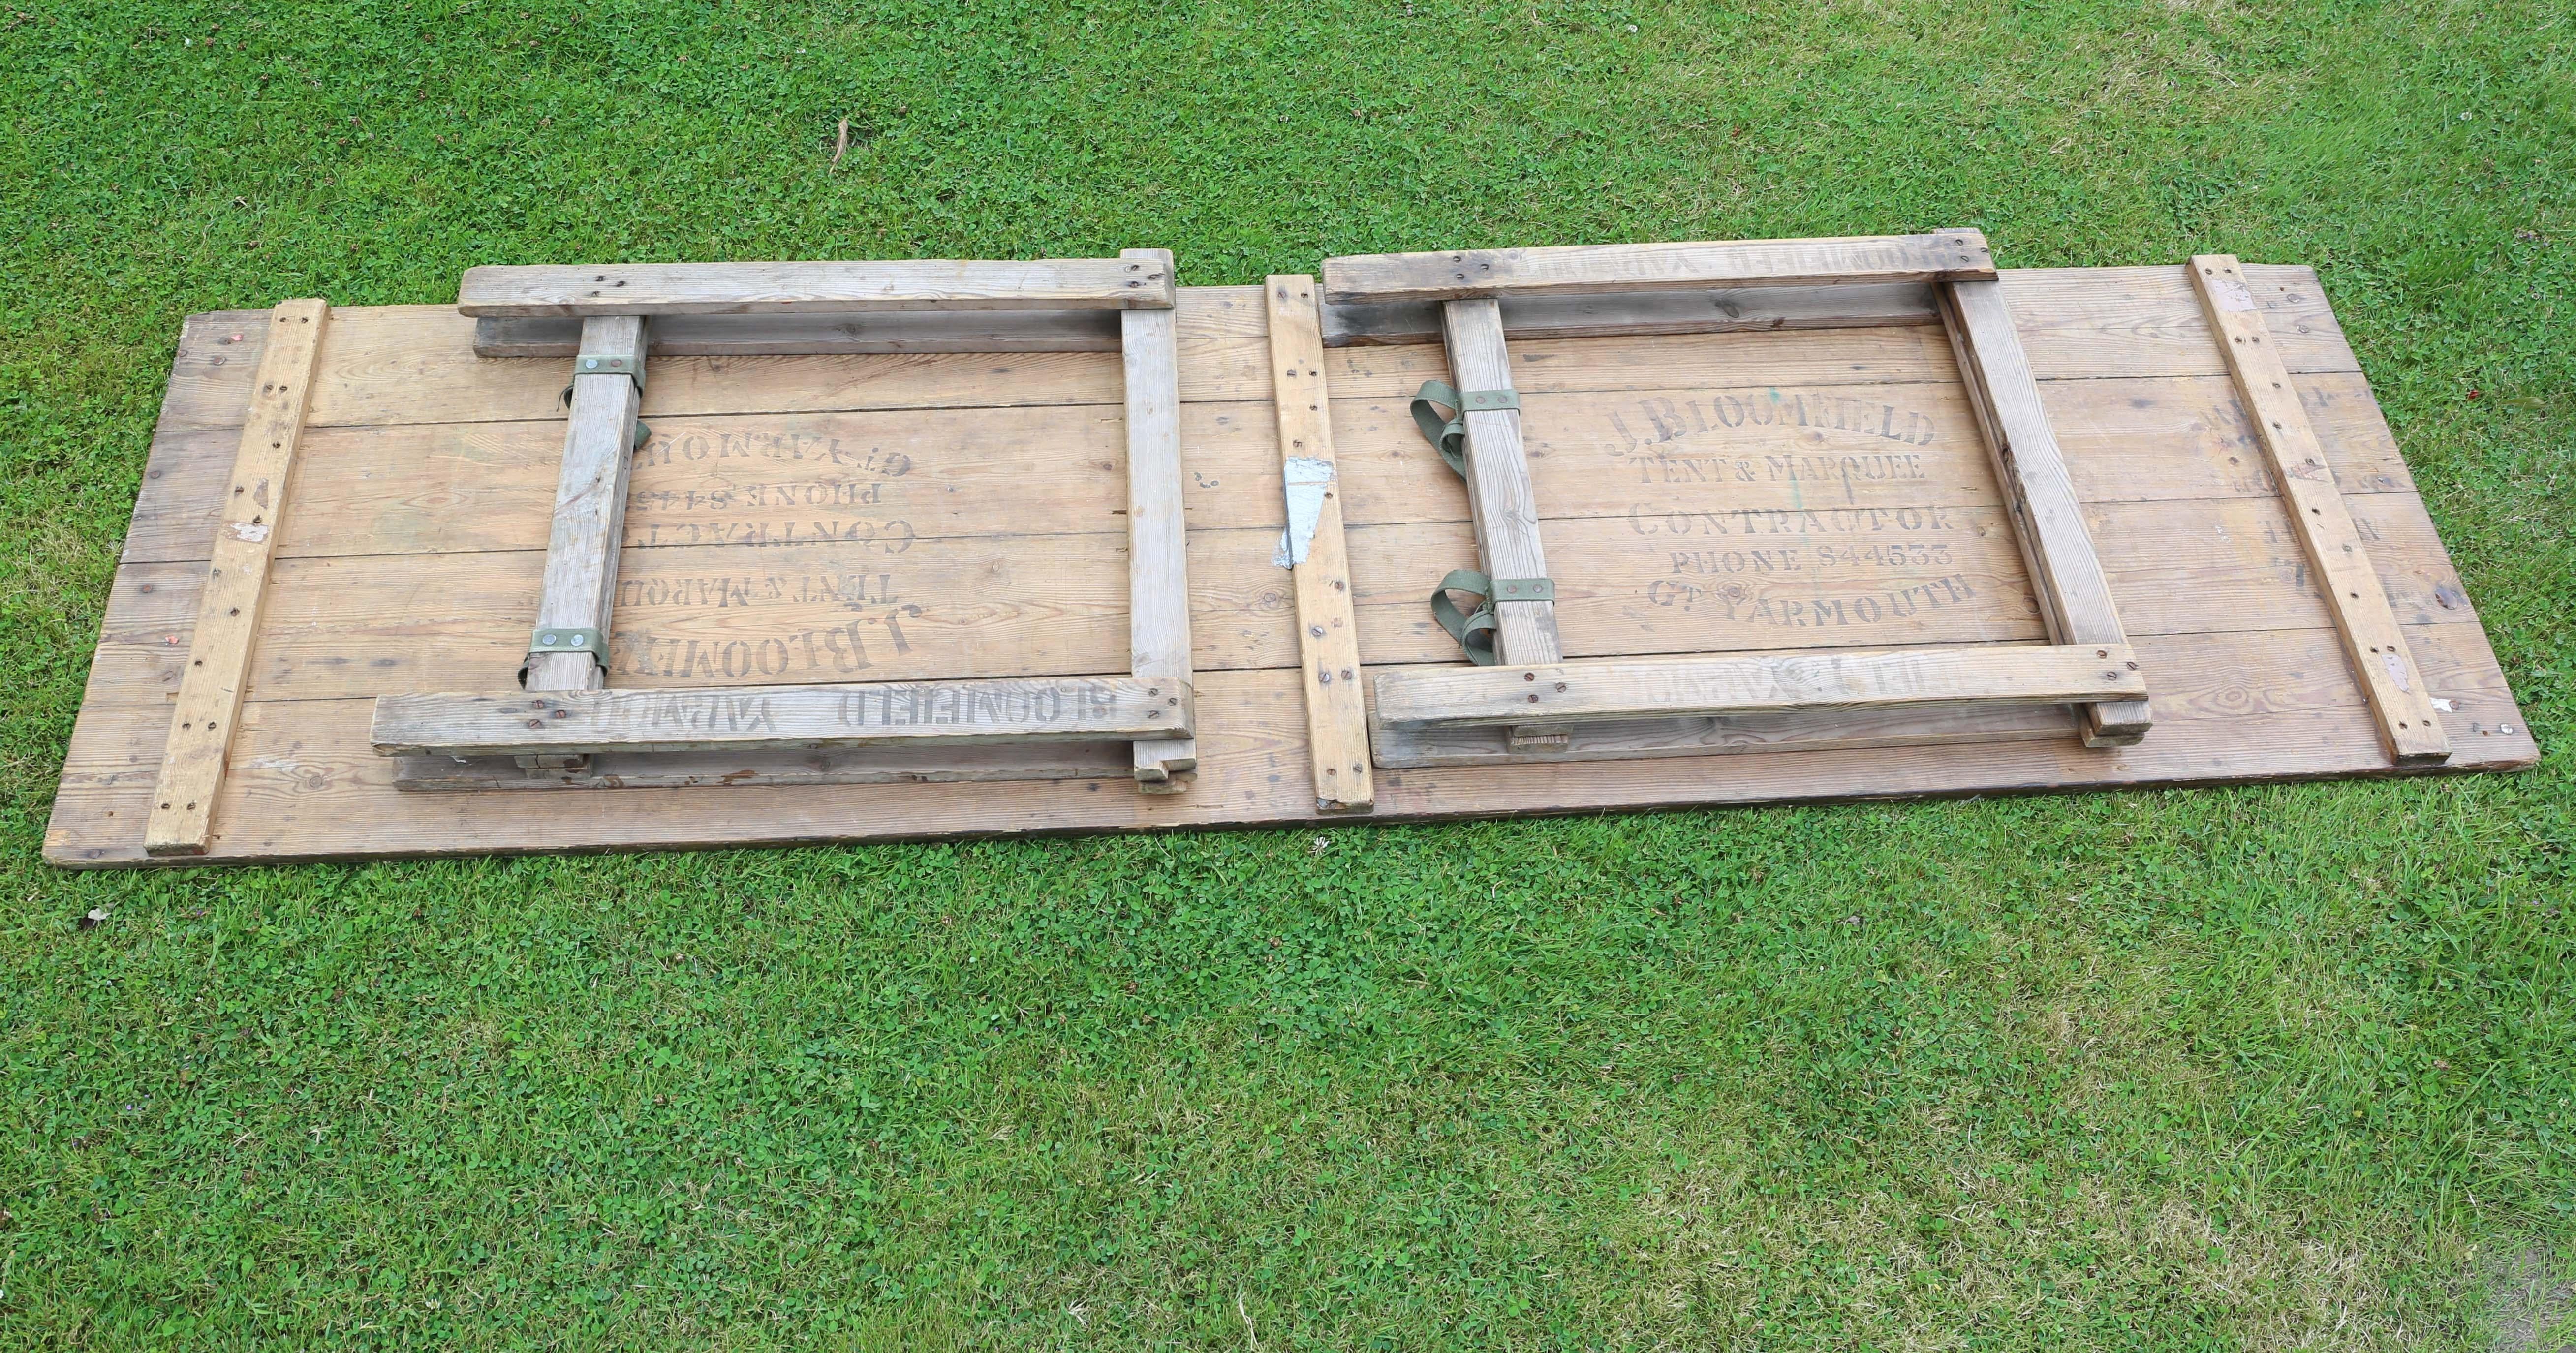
x=2074, y=598
x=307, y=770
x=1158, y=582
x=2090, y=323
x=932, y=764
x=1313, y=550
x=1007, y=606
x=870, y=476
x=2236, y=700
x=777, y=334
x=1503, y=506
x=1634, y=739
x=781, y=718
x=228, y=615
x=1131, y=281
x=392, y=365
x=1588, y=269
x=1633, y=314
x=2322, y=522
x=1756, y=683
x=588, y=527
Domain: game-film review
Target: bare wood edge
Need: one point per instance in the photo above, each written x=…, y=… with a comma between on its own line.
x=714, y=770
x=211, y=687
x=750, y=718
x=1649, y=313
x=1787, y=681
x=1337, y=739
x=1929, y=725
x=1447, y=275
x=1158, y=590
x=2033, y=458
x=788, y=335
x=896, y=285
x=2374, y=644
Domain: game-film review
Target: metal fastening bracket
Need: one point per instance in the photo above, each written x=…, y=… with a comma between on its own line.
x=565, y=639
x=601, y=364
x=1524, y=589
x=594, y=364
x=1489, y=401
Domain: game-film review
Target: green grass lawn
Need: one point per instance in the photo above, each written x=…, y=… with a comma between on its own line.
x=2233, y=1068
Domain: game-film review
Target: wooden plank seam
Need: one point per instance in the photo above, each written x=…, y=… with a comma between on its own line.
x=219, y=653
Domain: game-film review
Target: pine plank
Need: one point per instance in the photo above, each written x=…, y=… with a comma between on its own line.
x=2065, y=576
x=579, y=591
x=1158, y=584
x=1631, y=314
x=2324, y=524
x=644, y=289
x=227, y=629
x=773, y=334
x=1756, y=683
x=212, y=371
x=1502, y=504
x=930, y=764
x=1469, y=274
x=781, y=718
x=1318, y=559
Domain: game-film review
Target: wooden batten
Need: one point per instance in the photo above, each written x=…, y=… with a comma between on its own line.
x=1756, y=683
x=935, y=764
x=1158, y=582
x=1133, y=281
x=1622, y=314
x=1314, y=551
x=794, y=334
x=783, y=718
x=219, y=653
x=590, y=506
x=1810, y=730
x=2399, y=699
x=1500, y=498
x=1592, y=269
x=2048, y=521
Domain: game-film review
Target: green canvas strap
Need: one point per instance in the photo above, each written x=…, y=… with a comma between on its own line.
x=1448, y=432
x=1474, y=629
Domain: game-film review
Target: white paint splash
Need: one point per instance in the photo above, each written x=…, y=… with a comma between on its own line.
x=1307, y=479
